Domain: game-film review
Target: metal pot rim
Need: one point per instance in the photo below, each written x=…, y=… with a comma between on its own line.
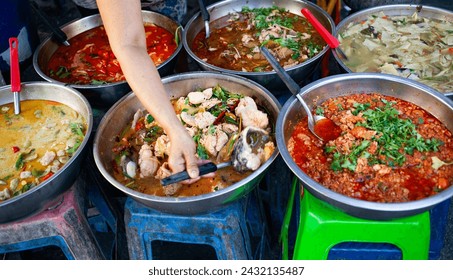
x=346, y=200
x=87, y=18
x=394, y=7
x=253, y=74
x=175, y=200
x=89, y=121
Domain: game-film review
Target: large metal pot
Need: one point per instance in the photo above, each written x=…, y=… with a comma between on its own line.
x=106, y=94
x=357, y=5
x=344, y=84
x=391, y=10
x=46, y=193
x=269, y=79
x=179, y=85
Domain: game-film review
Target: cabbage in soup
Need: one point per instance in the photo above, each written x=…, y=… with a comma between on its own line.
x=409, y=46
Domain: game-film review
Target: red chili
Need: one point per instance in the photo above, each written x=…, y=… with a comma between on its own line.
x=47, y=176
x=15, y=149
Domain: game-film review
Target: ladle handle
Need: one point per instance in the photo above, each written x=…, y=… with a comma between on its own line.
x=204, y=11
x=329, y=38
x=58, y=34
x=14, y=64
x=183, y=175
x=290, y=83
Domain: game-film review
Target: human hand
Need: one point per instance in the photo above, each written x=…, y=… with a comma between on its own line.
x=182, y=157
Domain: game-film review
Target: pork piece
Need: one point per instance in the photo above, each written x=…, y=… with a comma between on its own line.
x=250, y=115
x=201, y=119
x=147, y=162
x=164, y=171
x=4, y=195
x=214, y=142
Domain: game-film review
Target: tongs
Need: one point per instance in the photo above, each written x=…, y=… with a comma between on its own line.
x=205, y=15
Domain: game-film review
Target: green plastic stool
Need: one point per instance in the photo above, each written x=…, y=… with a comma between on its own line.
x=322, y=226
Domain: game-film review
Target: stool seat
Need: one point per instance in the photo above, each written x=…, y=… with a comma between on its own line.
x=64, y=226
x=226, y=230
x=322, y=226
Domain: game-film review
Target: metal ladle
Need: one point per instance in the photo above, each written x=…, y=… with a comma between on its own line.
x=250, y=140
x=294, y=88
x=205, y=15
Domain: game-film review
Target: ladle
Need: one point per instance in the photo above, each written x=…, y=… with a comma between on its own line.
x=205, y=15
x=58, y=34
x=15, y=72
x=249, y=141
x=295, y=89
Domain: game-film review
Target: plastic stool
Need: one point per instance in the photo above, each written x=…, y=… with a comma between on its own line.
x=226, y=230
x=64, y=225
x=322, y=226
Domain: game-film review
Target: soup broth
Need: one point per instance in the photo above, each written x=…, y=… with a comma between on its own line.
x=235, y=43
x=36, y=143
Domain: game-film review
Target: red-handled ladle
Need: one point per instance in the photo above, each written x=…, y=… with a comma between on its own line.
x=15, y=72
x=329, y=38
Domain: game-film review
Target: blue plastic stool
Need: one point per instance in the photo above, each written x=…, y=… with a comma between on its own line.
x=227, y=230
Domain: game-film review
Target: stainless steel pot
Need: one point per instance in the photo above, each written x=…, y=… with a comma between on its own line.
x=269, y=79
x=106, y=94
x=391, y=10
x=344, y=84
x=357, y=5
x=179, y=85
x=46, y=193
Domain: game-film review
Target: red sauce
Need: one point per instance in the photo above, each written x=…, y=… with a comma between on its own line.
x=90, y=60
x=350, y=166
x=327, y=129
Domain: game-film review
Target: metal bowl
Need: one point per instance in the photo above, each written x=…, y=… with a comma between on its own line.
x=357, y=5
x=106, y=94
x=46, y=193
x=269, y=79
x=345, y=84
x=391, y=10
x=179, y=85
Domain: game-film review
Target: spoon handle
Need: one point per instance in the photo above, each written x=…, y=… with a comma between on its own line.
x=290, y=83
x=57, y=32
x=15, y=72
x=329, y=38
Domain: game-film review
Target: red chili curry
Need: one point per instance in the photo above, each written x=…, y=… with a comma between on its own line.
x=389, y=150
x=90, y=60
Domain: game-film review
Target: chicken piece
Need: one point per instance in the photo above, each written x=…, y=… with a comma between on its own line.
x=229, y=128
x=200, y=120
x=250, y=115
x=163, y=172
x=198, y=97
x=4, y=195
x=214, y=142
x=208, y=104
x=48, y=157
x=162, y=146
x=147, y=162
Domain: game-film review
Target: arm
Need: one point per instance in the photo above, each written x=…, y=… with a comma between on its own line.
x=123, y=23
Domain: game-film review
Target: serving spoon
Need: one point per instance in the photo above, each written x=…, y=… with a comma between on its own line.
x=324, y=129
x=249, y=141
x=205, y=15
